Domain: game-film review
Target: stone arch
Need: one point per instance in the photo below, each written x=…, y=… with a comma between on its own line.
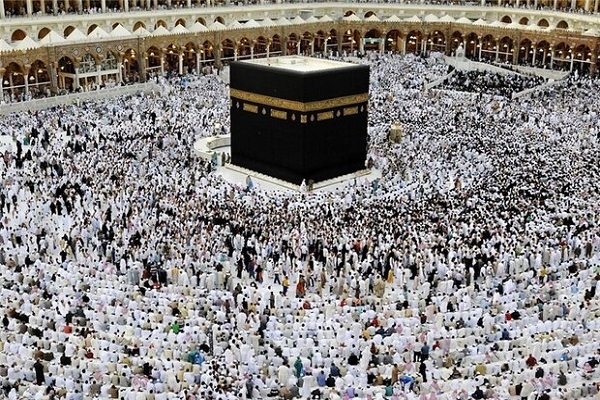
x=14, y=79
x=228, y=47
x=160, y=23
x=351, y=40
x=506, y=19
x=370, y=14
x=153, y=54
x=456, y=40
x=348, y=13
x=68, y=30
x=201, y=20
x=42, y=33
x=139, y=24
x=66, y=65
x=260, y=46
x=319, y=41
x=524, y=21
x=332, y=40
x=17, y=35
x=437, y=42
x=305, y=43
x=220, y=20
x=116, y=24
x=562, y=54
x=39, y=73
x=130, y=66
x=413, y=42
x=562, y=25
x=505, y=51
x=244, y=47
x=393, y=41
x=526, y=52
x=189, y=57
x=543, y=53
x=180, y=21
x=543, y=23
x=207, y=51
x=172, y=58
x=293, y=44
x=488, y=47
x=368, y=43
x=66, y=73
x=91, y=28
x=582, y=58
x=472, y=46
x=276, y=44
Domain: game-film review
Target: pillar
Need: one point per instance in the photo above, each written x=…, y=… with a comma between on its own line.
x=53, y=81
x=535, y=4
x=340, y=47
x=298, y=46
x=76, y=80
x=103, y=5
x=499, y=3
x=198, y=63
x=2, y=71
x=555, y=6
x=534, y=55
x=593, y=59
x=29, y=6
x=143, y=61
x=43, y=6
x=2, y=14
x=312, y=47
x=252, y=51
x=551, y=57
x=180, y=64
x=235, y=53
x=587, y=5
x=79, y=6
x=517, y=4
x=361, y=46
x=480, y=48
x=482, y=3
x=403, y=49
x=573, y=4
x=189, y=3
x=515, y=52
x=572, y=61
x=595, y=6
x=126, y=5
x=54, y=6
x=99, y=75
x=497, y=50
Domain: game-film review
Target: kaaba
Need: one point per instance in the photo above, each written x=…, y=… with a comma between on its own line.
x=298, y=118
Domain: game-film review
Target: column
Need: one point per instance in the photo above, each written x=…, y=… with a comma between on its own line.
x=572, y=61
x=499, y=3
x=198, y=63
x=497, y=50
x=126, y=5
x=99, y=72
x=555, y=5
x=235, y=53
x=381, y=45
x=252, y=50
x=535, y=4
x=298, y=46
x=587, y=5
x=180, y=64
x=76, y=80
x=551, y=57
x=162, y=64
x=169, y=4
x=54, y=6
x=517, y=4
x=595, y=6
x=154, y=4
x=189, y=3
x=482, y=3
x=29, y=5
x=43, y=6
x=515, y=52
x=53, y=81
x=593, y=60
x=67, y=5
x=79, y=6
x=534, y=55
x=573, y=4
x=2, y=16
x=480, y=48
x=26, y=80
x=403, y=49
x=268, y=47
x=103, y=5
x=312, y=47
x=361, y=46
x=340, y=47
x=143, y=61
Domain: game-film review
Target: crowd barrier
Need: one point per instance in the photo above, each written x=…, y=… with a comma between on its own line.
x=77, y=98
x=439, y=81
x=529, y=91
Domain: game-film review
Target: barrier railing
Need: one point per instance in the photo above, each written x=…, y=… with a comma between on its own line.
x=76, y=98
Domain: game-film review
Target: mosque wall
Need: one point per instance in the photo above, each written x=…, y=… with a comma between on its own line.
x=186, y=40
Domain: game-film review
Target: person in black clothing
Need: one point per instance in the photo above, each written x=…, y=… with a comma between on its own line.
x=330, y=381
x=39, y=373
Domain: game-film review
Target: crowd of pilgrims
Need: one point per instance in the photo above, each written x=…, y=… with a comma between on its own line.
x=131, y=269
x=491, y=83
